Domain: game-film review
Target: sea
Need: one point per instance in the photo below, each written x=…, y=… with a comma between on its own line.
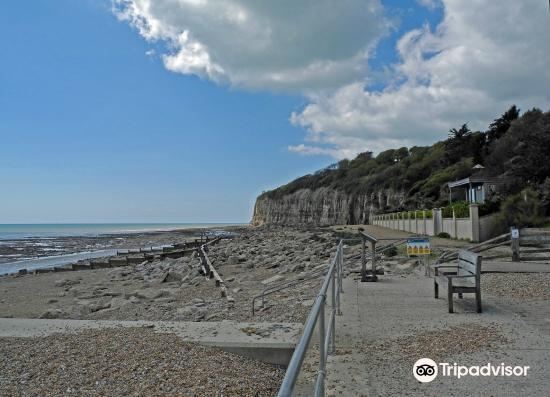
x=43, y=230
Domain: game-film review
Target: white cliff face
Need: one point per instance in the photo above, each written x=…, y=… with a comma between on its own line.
x=322, y=207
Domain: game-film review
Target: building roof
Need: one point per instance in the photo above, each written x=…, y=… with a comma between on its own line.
x=473, y=179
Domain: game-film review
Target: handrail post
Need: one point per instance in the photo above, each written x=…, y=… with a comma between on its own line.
x=340, y=259
x=341, y=268
x=333, y=310
x=320, y=384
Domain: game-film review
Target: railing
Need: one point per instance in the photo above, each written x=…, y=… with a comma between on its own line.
x=284, y=285
x=327, y=343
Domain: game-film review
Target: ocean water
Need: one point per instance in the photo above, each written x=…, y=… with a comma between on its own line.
x=21, y=231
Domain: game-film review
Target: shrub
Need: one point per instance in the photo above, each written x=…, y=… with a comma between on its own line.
x=444, y=235
x=524, y=209
x=462, y=210
x=489, y=207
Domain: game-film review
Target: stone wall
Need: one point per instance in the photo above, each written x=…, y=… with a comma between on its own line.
x=473, y=228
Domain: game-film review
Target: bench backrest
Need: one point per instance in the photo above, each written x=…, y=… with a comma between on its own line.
x=469, y=263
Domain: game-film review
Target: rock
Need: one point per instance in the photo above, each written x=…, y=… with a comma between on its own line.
x=52, y=313
x=99, y=306
x=171, y=277
x=197, y=300
x=407, y=265
x=230, y=279
x=235, y=290
x=133, y=299
x=241, y=258
x=297, y=268
x=185, y=280
x=119, y=302
x=66, y=282
x=273, y=279
x=199, y=314
x=308, y=302
x=232, y=260
x=184, y=311
x=150, y=293
x=52, y=300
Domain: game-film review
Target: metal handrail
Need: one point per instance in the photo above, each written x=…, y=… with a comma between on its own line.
x=327, y=343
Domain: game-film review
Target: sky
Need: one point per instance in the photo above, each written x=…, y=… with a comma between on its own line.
x=186, y=110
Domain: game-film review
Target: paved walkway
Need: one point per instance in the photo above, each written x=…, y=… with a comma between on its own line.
x=403, y=306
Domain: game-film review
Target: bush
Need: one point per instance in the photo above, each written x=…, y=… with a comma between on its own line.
x=444, y=235
x=524, y=209
x=462, y=210
x=489, y=207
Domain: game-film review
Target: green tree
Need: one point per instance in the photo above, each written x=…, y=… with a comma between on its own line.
x=458, y=144
x=500, y=126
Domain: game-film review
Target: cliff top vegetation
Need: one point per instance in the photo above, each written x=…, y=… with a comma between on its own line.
x=515, y=148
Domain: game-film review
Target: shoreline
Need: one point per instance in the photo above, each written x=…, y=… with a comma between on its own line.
x=34, y=250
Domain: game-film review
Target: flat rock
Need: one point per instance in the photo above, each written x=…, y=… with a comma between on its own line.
x=150, y=293
x=273, y=279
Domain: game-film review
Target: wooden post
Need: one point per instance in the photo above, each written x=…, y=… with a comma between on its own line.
x=514, y=239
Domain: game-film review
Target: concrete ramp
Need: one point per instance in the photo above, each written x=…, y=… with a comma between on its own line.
x=268, y=342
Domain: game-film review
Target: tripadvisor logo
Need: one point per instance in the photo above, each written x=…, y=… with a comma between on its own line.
x=425, y=370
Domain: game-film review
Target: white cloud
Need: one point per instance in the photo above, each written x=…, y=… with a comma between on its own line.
x=483, y=57
x=276, y=45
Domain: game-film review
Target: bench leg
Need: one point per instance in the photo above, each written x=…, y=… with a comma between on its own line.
x=436, y=289
x=460, y=295
x=450, y=296
x=478, y=299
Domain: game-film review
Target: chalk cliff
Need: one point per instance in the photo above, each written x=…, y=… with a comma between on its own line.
x=323, y=206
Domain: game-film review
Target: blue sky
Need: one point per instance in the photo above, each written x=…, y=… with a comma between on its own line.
x=92, y=129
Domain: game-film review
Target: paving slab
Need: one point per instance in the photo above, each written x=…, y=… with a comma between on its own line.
x=397, y=307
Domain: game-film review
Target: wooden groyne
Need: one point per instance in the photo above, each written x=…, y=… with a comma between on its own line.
x=131, y=257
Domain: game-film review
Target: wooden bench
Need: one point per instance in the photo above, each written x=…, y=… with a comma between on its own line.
x=464, y=277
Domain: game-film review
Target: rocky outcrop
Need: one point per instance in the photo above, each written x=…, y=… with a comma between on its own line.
x=323, y=206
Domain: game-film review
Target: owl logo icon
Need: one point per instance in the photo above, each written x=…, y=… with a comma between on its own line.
x=425, y=370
